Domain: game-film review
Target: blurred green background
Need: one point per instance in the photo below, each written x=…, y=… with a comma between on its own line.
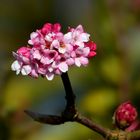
x=112, y=77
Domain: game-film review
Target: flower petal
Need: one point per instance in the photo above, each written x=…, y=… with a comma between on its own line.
x=70, y=61
x=15, y=66
x=84, y=37
x=49, y=76
x=62, y=50
x=26, y=70
x=84, y=61
x=68, y=37
x=55, y=44
x=77, y=62
x=63, y=67
x=36, y=55
x=86, y=51
x=34, y=73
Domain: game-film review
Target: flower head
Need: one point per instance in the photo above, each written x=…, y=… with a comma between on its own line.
x=50, y=52
x=125, y=115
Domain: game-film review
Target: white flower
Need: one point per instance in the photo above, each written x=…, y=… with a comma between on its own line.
x=16, y=66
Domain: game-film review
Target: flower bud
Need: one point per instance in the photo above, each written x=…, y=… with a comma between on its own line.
x=125, y=115
x=24, y=51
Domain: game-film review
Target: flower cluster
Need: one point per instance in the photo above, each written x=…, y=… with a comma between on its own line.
x=125, y=115
x=50, y=52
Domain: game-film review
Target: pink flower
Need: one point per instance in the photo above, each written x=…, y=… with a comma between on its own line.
x=77, y=36
x=52, y=53
x=37, y=39
x=23, y=54
x=48, y=56
x=23, y=63
x=24, y=51
x=20, y=67
x=125, y=115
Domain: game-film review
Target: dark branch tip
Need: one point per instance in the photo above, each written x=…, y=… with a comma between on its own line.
x=31, y=114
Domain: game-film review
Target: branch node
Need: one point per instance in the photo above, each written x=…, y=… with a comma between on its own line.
x=117, y=135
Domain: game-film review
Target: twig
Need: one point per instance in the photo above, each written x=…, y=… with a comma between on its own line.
x=70, y=96
x=92, y=125
x=134, y=135
x=70, y=110
x=71, y=114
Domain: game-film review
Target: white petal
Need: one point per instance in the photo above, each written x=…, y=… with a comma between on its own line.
x=68, y=37
x=30, y=42
x=80, y=44
x=50, y=76
x=84, y=37
x=15, y=66
x=26, y=70
x=55, y=44
x=54, y=65
x=63, y=67
x=77, y=62
x=48, y=37
x=17, y=72
x=33, y=35
x=62, y=50
x=37, y=55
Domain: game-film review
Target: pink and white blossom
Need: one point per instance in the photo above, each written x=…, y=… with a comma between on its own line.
x=50, y=52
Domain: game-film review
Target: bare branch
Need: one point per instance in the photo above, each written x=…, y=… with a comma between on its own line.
x=134, y=135
x=44, y=118
x=92, y=125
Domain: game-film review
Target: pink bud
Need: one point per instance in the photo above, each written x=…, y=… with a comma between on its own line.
x=24, y=51
x=46, y=28
x=92, y=47
x=56, y=27
x=125, y=115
